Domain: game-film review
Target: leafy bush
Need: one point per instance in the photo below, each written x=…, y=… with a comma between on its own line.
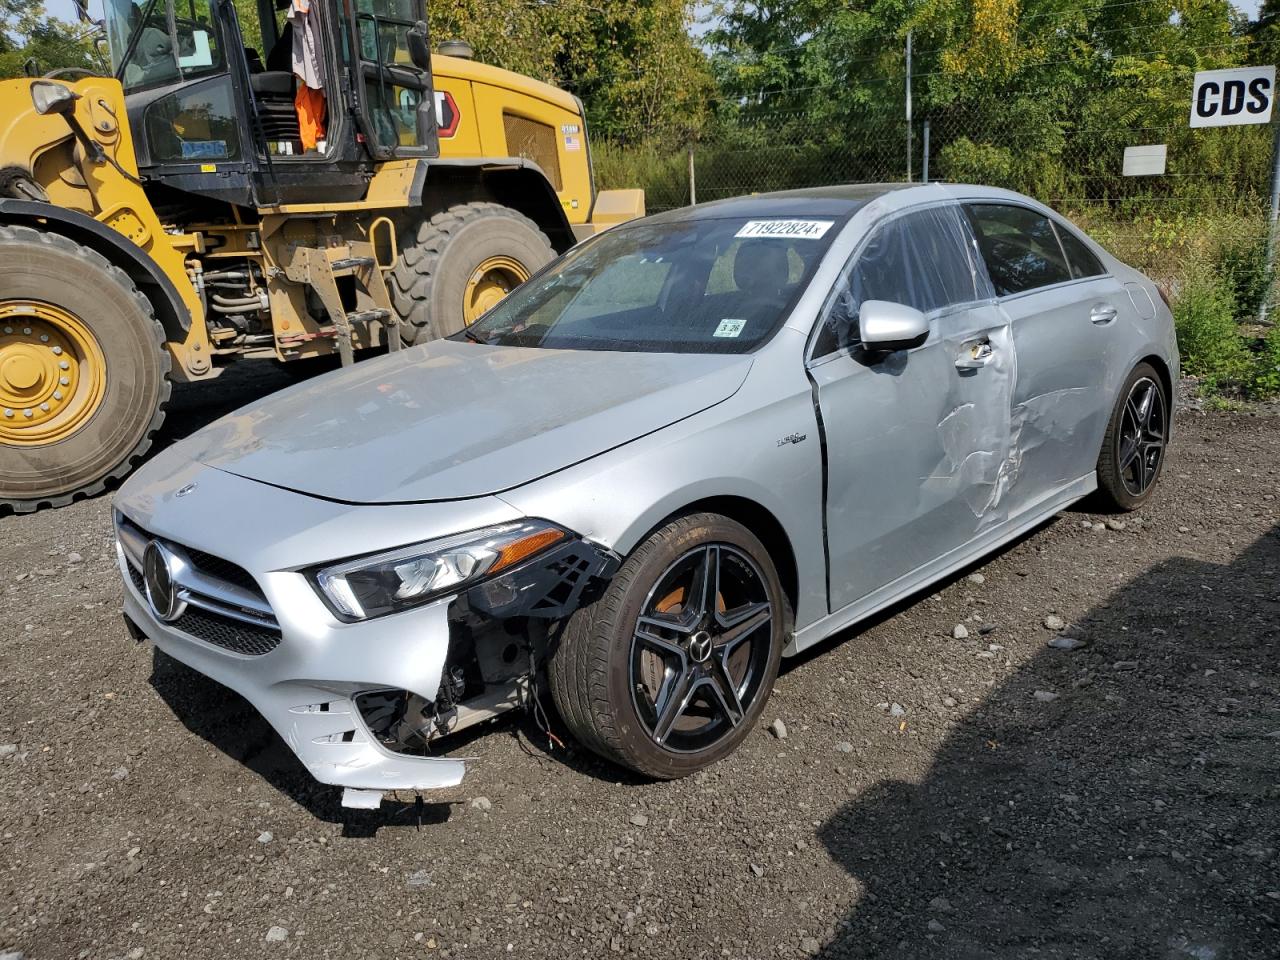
x=1265, y=381
x=1205, y=317
x=963, y=161
x=664, y=175
x=1241, y=261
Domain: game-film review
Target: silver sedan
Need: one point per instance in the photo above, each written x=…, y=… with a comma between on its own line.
x=689, y=447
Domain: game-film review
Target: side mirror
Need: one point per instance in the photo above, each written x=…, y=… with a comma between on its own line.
x=53, y=98
x=419, y=46
x=886, y=327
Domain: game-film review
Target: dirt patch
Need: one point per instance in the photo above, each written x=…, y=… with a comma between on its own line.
x=992, y=796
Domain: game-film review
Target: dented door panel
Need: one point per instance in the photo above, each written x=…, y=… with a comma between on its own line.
x=1071, y=359
x=918, y=449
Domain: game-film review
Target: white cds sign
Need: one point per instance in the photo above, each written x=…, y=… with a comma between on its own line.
x=1221, y=98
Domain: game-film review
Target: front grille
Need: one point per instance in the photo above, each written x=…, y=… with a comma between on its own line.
x=534, y=141
x=221, y=569
x=227, y=633
x=215, y=613
x=224, y=632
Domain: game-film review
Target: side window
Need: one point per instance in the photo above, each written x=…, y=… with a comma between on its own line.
x=924, y=259
x=1019, y=246
x=1080, y=258
x=195, y=124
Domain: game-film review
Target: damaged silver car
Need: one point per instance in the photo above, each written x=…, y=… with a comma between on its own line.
x=691, y=446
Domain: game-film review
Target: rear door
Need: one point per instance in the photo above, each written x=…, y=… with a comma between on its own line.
x=917, y=440
x=1065, y=311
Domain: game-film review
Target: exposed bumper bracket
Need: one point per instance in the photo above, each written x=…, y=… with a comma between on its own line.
x=355, y=799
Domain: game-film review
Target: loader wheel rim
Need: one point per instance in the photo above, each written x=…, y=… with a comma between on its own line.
x=53, y=374
x=489, y=283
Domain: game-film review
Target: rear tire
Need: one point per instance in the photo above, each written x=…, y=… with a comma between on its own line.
x=92, y=370
x=1133, y=449
x=458, y=262
x=650, y=643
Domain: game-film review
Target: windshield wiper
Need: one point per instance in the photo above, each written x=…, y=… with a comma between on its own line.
x=472, y=336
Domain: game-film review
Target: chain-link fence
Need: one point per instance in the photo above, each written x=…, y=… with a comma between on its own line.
x=1215, y=188
x=1210, y=205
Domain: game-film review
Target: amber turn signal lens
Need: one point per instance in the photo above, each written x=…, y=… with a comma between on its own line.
x=522, y=549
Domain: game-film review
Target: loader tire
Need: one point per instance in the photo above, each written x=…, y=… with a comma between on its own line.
x=460, y=263
x=84, y=376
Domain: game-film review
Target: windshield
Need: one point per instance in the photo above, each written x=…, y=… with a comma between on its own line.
x=158, y=42
x=691, y=286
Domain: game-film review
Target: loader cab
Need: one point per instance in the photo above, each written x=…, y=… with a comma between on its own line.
x=267, y=102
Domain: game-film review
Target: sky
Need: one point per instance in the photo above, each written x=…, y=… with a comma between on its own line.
x=65, y=10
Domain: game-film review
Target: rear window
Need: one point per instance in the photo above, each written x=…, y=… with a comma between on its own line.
x=690, y=286
x=1019, y=246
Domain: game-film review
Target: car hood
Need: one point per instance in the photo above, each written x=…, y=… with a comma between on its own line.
x=450, y=420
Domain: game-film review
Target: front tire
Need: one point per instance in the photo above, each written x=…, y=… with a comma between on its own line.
x=1133, y=449
x=459, y=264
x=83, y=371
x=671, y=668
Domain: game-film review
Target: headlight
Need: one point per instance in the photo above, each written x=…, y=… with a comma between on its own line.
x=399, y=579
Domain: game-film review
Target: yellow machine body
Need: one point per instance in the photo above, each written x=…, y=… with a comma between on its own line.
x=319, y=272
x=494, y=115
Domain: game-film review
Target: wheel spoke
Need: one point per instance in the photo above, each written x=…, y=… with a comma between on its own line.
x=1133, y=412
x=655, y=640
x=651, y=624
x=729, y=640
x=1129, y=449
x=703, y=587
x=1147, y=405
x=726, y=693
x=731, y=618
x=673, y=700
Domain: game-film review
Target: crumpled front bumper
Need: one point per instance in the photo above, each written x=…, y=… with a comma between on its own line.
x=305, y=688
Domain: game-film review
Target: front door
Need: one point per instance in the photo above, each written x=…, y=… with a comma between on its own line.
x=917, y=441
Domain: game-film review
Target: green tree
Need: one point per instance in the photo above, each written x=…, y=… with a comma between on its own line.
x=1046, y=92
x=635, y=66
x=31, y=34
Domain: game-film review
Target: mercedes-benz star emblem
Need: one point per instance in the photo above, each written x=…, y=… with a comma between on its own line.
x=700, y=646
x=159, y=565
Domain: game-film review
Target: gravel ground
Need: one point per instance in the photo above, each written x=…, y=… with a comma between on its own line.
x=1090, y=773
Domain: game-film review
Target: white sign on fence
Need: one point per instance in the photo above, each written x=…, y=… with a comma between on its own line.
x=1221, y=98
x=1145, y=161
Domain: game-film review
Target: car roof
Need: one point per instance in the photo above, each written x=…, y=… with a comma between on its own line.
x=833, y=201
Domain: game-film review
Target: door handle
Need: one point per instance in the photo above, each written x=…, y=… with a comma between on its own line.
x=1102, y=313
x=975, y=354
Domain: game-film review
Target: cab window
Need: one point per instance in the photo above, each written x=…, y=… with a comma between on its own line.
x=394, y=88
x=158, y=42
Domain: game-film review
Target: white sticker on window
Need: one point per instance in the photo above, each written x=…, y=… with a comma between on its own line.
x=730, y=328
x=800, y=229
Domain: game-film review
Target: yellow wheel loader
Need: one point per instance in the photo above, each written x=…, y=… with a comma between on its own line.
x=270, y=179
